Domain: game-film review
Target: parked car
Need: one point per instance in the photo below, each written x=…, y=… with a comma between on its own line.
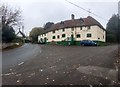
x=88, y=43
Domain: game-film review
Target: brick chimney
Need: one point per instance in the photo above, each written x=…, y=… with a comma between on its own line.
x=72, y=16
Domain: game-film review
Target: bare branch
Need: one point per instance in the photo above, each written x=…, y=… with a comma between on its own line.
x=10, y=17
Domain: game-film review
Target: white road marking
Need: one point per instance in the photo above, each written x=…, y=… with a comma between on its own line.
x=18, y=74
x=20, y=63
x=90, y=85
x=7, y=74
x=18, y=81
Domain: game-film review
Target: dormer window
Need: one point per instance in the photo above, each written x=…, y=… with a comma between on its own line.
x=61, y=22
x=81, y=20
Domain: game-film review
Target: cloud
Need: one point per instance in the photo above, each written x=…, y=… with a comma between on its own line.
x=37, y=12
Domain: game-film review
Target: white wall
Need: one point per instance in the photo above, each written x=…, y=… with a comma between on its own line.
x=96, y=32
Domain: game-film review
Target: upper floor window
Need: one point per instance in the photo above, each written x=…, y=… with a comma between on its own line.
x=89, y=35
x=63, y=29
x=54, y=31
x=81, y=28
x=63, y=35
x=72, y=29
x=88, y=27
x=78, y=35
x=62, y=22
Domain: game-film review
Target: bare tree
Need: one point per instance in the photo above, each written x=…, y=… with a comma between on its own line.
x=9, y=16
x=10, y=19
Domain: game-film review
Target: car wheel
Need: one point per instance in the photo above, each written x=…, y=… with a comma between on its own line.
x=82, y=44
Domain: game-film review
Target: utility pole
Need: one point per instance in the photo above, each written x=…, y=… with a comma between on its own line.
x=118, y=38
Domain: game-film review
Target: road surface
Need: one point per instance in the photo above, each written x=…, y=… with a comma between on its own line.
x=60, y=65
x=11, y=58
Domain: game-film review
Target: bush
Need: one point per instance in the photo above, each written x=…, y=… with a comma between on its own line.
x=8, y=34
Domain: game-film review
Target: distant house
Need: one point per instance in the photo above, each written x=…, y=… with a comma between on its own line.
x=77, y=29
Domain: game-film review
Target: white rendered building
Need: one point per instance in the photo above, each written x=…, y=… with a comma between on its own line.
x=79, y=29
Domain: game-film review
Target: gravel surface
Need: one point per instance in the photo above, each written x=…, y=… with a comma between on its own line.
x=66, y=65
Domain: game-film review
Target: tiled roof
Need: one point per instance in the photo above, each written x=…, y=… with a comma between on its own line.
x=89, y=21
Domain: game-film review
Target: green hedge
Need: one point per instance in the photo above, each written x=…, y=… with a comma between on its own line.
x=67, y=43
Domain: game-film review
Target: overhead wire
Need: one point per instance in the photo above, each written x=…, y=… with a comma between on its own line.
x=86, y=10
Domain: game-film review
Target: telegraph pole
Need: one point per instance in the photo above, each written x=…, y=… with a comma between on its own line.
x=118, y=38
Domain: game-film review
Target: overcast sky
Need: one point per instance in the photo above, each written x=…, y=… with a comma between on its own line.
x=36, y=13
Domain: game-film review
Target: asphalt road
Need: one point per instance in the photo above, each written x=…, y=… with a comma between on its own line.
x=60, y=65
x=11, y=58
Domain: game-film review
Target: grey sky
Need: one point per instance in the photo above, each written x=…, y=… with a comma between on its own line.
x=37, y=12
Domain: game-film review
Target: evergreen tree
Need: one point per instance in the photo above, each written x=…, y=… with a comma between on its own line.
x=113, y=29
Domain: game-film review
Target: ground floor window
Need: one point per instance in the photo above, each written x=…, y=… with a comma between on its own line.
x=63, y=35
x=89, y=35
x=58, y=36
x=53, y=37
x=78, y=35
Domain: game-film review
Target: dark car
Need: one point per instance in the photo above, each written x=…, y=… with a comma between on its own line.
x=88, y=43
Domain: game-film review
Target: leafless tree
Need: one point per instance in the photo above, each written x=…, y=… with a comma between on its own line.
x=9, y=16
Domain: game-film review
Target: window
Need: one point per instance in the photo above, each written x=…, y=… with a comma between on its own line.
x=63, y=35
x=58, y=36
x=45, y=39
x=81, y=28
x=62, y=22
x=44, y=34
x=41, y=39
x=53, y=37
x=53, y=31
x=81, y=20
x=89, y=35
x=78, y=35
x=103, y=36
x=63, y=29
x=72, y=29
x=88, y=27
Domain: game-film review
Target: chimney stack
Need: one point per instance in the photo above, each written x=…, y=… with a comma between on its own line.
x=73, y=16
